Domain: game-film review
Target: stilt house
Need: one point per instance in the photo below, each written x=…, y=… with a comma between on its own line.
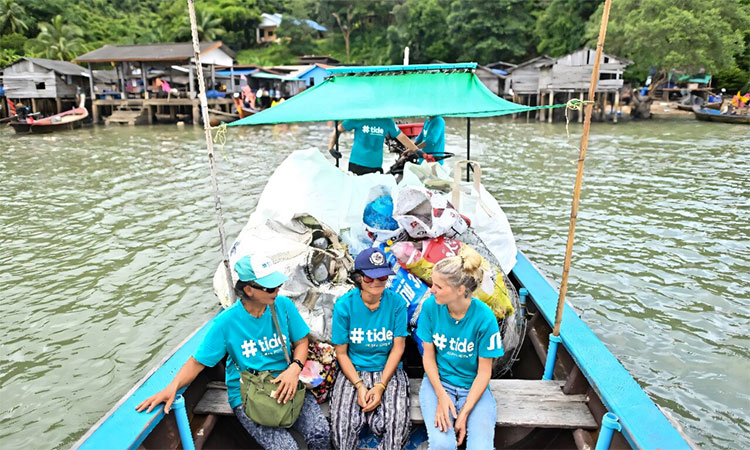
x=32, y=79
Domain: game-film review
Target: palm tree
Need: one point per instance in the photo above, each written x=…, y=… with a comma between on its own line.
x=57, y=40
x=10, y=17
x=209, y=27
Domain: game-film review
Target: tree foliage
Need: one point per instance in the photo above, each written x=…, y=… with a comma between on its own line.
x=57, y=40
x=687, y=36
x=561, y=25
x=12, y=17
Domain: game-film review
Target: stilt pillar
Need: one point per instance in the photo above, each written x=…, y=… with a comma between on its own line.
x=196, y=113
x=58, y=104
x=538, y=103
x=616, y=106
x=33, y=105
x=551, y=101
x=580, y=111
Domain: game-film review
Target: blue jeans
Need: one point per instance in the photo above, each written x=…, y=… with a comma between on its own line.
x=480, y=426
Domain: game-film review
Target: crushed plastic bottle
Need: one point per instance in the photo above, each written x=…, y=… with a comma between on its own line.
x=379, y=214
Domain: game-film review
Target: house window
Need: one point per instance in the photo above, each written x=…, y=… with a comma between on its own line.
x=41, y=86
x=270, y=34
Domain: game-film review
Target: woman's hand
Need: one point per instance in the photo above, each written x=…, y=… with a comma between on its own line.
x=445, y=410
x=460, y=427
x=287, y=381
x=165, y=396
x=362, y=396
x=374, y=396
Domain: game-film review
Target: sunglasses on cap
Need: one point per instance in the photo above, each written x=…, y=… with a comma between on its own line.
x=268, y=290
x=367, y=279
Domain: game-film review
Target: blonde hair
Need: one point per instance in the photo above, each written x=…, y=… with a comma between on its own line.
x=460, y=271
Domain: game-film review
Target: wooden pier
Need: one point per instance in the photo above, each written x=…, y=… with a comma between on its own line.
x=156, y=107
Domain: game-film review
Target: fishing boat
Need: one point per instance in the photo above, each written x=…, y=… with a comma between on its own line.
x=66, y=120
x=584, y=395
x=713, y=115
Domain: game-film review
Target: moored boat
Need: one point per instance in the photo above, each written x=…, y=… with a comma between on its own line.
x=66, y=120
x=713, y=115
x=589, y=386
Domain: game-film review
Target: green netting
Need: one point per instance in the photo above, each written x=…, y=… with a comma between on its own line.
x=390, y=96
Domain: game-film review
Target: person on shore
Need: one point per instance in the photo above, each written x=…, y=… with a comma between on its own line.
x=369, y=332
x=247, y=333
x=367, y=150
x=460, y=337
x=431, y=139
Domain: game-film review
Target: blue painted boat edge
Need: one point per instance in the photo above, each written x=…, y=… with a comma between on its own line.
x=643, y=423
x=123, y=428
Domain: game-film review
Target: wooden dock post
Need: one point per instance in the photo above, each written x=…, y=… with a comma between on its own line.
x=58, y=104
x=551, y=102
x=580, y=111
x=616, y=106
x=528, y=103
x=94, y=111
x=191, y=77
x=196, y=113
x=33, y=105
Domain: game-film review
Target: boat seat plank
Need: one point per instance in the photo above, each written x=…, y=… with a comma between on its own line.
x=520, y=403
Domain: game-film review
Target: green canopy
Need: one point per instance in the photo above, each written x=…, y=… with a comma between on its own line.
x=391, y=92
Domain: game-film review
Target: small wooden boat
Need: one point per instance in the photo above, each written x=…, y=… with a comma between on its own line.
x=66, y=120
x=712, y=115
x=216, y=117
x=588, y=394
x=689, y=107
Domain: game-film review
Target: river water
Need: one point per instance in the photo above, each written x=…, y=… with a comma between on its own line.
x=109, y=244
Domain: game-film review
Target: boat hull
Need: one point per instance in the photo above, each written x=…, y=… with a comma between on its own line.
x=67, y=120
x=710, y=115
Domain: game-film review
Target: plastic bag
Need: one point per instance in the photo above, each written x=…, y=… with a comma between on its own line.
x=492, y=289
x=423, y=213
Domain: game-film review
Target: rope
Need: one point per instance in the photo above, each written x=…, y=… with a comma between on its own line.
x=221, y=138
x=573, y=104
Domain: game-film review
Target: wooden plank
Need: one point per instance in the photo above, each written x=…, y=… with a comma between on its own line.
x=524, y=403
x=214, y=401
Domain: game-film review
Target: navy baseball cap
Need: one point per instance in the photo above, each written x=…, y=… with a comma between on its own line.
x=372, y=263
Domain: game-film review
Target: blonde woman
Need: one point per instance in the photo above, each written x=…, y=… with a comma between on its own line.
x=460, y=337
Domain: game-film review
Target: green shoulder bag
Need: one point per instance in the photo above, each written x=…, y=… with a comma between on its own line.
x=256, y=392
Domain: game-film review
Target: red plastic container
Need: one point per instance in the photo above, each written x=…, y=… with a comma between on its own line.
x=412, y=130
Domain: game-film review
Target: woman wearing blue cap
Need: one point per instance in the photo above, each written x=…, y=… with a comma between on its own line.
x=246, y=331
x=369, y=332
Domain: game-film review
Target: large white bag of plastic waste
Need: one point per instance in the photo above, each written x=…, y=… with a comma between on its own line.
x=472, y=200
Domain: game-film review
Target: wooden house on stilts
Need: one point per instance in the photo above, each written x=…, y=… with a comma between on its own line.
x=548, y=81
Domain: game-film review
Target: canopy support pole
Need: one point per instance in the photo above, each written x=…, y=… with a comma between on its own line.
x=209, y=142
x=468, y=148
x=336, y=129
x=550, y=362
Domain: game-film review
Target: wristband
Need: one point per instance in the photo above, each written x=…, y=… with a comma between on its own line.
x=299, y=363
x=358, y=382
x=381, y=384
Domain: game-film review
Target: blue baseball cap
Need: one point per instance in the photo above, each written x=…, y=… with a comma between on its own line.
x=372, y=263
x=259, y=269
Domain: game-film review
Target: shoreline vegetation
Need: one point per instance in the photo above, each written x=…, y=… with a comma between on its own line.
x=659, y=36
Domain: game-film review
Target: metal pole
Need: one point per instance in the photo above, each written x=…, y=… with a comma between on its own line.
x=209, y=143
x=468, y=148
x=336, y=128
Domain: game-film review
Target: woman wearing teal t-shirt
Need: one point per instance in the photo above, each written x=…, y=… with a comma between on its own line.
x=369, y=331
x=245, y=331
x=460, y=337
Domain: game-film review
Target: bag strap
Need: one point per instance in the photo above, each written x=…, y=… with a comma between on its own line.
x=281, y=336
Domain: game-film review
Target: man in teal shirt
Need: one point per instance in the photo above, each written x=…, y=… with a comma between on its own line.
x=432, y=137
x=369, y=136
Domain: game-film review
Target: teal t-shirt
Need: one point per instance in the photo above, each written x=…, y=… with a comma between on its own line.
x=252, y=342
x=433, y=135
x=369, y=136
x=369, y=334
x=459, y=344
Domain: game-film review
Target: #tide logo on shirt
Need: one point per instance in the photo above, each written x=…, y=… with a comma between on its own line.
x=373, y=130
x=374, y=337
x=267, y=346
x=462, y=347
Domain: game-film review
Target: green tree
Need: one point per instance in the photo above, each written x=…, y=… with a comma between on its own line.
x=487, y=31
x=7, y=57
x=297, y=35
x=421, y=25
x=57, y=40
x=12, y=17
x=209, y=26
x=561, y=25
x=686, y=36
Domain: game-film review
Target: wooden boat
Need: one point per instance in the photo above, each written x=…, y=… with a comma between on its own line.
x=689, y=106
x=216, y=117
x=66, y=120
x=590, y=391
x=712, y=115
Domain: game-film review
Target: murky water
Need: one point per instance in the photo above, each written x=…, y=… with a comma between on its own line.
x=109, y=243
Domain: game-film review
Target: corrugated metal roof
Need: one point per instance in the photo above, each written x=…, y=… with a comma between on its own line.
x=61, y=67
x=181, y=51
